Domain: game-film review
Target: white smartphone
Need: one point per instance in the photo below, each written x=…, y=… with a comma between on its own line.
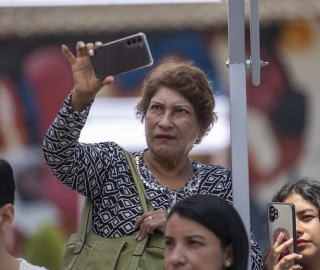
x=282, y=218
x=121, y=56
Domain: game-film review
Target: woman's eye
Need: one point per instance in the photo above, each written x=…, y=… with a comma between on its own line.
x=168, y=243
x=307, y=217
x=155, y=107
x=194, y=243
x=181, y=111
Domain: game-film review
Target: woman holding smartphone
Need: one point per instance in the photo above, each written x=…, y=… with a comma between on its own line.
x=305, y=195
x=177, y=109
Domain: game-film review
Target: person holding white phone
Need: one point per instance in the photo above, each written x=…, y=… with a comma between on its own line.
x=305, y=195
x=177, y=107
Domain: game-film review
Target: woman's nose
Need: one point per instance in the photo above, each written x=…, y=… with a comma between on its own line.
x=176, y=257
x=166, y=120
x=299, y=228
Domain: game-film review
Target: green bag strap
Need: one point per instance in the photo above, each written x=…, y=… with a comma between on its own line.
x=86, y=218
x=145, y=204
x=84, y=225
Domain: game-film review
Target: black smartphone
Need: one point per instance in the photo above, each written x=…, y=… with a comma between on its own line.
x=282, y=218
x=121, y=56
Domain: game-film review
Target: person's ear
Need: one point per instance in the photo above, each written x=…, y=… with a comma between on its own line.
x=6, y=216
x=200, y=135
x=229, y=256
x=203, y=130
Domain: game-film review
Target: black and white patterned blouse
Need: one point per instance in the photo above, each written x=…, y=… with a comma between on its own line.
x=100, y=172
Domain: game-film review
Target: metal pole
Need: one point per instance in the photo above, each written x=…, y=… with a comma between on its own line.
x=238, y=112
x=255, y=42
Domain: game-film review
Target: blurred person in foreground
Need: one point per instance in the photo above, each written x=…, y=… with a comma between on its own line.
x=177, y=108
x=204, y=232
x=7, y=190
x=305, y=195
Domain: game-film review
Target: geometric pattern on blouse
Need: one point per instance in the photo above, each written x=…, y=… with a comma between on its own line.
x=100, y=172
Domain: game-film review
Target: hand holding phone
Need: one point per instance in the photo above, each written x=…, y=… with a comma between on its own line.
x=281, y=219
x=121, y=56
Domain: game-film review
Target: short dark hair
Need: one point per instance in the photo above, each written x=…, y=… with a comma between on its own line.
x=188, y=80
x=7, y=184
x=307, y=188
x=222, y=219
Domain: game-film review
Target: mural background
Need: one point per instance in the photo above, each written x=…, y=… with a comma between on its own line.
x=283, y=119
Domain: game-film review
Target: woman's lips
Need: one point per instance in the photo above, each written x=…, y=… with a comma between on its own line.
x=164, y=137
x=301, y=243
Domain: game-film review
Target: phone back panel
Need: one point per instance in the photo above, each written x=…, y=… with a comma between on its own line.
x=281, y=218
x=121, y=56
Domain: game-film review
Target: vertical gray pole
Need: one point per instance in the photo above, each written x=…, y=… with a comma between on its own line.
x=238, y=110
x=255, y=41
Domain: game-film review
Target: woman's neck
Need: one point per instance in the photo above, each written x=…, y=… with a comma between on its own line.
x=173, y=174
x=311, y=264
x=8, y=261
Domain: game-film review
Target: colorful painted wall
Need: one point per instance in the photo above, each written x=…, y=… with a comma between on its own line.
x=283, y=116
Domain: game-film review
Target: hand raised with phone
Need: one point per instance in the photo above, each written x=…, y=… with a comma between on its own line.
x=86, y=85
x=95, y=65
x=278, y=259
x=121, y=56
x=282, y=237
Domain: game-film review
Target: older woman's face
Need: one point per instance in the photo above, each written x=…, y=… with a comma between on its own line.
x=191, y=246
x=171, y=124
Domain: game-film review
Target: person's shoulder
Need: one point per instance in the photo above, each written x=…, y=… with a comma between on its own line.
x=211, y=173
x=24, y=265
x=214, y=168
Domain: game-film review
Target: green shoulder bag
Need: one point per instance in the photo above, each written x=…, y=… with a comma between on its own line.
x=89, y=251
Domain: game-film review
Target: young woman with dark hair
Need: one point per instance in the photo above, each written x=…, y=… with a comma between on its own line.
x=205, y=232
x=305, y=195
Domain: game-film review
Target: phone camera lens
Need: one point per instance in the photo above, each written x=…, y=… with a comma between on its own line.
x=134, y=41
x=129, y=42
x=139, y=39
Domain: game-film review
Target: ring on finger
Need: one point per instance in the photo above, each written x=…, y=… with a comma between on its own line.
x=150, y=217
